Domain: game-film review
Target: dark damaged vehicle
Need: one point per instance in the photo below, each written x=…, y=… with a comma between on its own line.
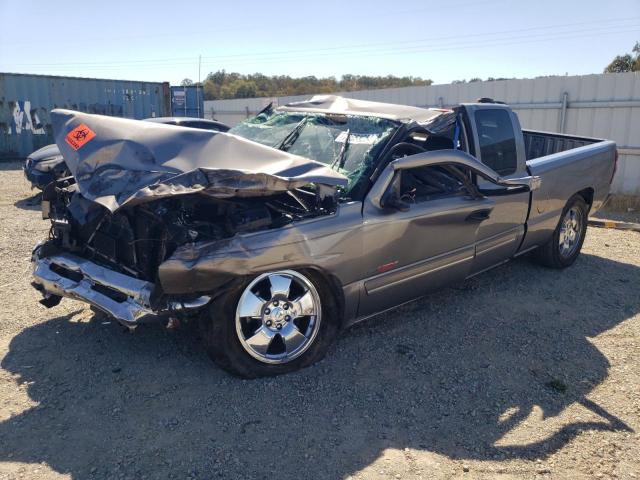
x=47, y=164
x=306, y=218
x=44, y=166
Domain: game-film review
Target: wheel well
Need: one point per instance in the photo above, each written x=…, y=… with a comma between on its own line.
x=587, y=194
x=332, y=283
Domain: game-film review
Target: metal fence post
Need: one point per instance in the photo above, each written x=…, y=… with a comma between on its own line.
x=563, y=112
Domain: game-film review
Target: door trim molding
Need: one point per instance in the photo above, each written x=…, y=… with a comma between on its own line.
x=416, y=270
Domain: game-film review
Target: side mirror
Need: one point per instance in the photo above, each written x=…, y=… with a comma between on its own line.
x=391, y=200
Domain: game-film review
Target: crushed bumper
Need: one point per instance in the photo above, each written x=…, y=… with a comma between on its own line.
x=124, y=298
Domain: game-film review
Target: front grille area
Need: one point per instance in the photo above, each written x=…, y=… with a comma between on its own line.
x=129, y=240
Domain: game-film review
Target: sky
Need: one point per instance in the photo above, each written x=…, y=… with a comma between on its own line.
x=440, y=40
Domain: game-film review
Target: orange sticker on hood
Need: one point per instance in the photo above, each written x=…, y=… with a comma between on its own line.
x=79, y=136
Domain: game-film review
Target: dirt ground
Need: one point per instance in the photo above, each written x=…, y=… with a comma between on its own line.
x=520, y=373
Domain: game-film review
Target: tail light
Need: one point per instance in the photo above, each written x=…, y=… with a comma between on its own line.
x=615, y=167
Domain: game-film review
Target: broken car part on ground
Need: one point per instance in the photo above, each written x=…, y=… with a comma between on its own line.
x=305, y=218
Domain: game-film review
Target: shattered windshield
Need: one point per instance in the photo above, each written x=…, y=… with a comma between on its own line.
x=347, y=143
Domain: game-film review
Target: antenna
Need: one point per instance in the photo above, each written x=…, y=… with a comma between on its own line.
x=198, y=85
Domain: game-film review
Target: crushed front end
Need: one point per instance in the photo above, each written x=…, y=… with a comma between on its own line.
x=112, y=260
x=140, y=192
x=107, y=260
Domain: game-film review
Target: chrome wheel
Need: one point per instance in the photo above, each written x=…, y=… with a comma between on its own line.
x=278, y=316
x=570, y=232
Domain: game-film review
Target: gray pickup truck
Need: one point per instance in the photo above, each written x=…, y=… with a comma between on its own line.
x=306, y=218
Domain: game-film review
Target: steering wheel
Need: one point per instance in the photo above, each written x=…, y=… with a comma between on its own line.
x=404, y=149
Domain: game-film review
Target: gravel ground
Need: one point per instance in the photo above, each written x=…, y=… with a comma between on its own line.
x=628, y=215
x=521, y=372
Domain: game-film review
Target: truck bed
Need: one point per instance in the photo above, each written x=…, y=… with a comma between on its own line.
x=569, y=168
x=539, y=144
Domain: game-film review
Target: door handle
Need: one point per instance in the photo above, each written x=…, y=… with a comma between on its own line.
x=479, y=215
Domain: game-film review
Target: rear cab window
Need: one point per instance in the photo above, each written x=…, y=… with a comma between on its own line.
x=497, y=140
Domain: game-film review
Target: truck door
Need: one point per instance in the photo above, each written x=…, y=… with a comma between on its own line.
x=423, y=239
x=498, y=144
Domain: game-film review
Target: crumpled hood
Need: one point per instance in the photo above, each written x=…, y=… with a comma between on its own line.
x=119, y=161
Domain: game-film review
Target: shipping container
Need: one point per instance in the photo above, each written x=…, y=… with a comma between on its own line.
x=26, y=100
x=187, y=101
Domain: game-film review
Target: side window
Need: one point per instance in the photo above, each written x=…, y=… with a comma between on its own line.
x=429, y=183
x=497, y=140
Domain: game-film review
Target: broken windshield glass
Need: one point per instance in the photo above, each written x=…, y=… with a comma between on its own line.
x=347, y=143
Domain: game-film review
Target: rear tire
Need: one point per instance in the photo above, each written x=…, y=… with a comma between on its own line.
x=275, y=323
x=565, y=244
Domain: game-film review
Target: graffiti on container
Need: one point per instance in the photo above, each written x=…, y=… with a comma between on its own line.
x=23, y=118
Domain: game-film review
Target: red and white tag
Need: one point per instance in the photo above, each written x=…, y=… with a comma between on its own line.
x=79, y=136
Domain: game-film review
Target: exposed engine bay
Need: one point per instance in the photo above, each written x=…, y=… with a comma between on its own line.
x=136, y=239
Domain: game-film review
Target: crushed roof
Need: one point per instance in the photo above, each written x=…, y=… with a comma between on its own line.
x=351, y=106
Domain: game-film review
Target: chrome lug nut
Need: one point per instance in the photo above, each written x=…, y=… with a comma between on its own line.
x=286, y=306
x=275, y=304
x=287, y=317
x=279, y=326
x=267, y=311
x=269, y=323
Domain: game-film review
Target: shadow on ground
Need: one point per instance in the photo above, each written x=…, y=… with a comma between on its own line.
x=436, y=375
x=31, y=203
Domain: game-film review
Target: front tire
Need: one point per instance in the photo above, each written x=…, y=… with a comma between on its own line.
x=566, y=242
x=275, y=323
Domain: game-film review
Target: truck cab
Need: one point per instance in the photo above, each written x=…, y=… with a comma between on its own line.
x=462, y=187
x=497, y=142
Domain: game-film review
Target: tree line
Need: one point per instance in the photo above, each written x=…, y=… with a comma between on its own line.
x=223, y=85
x=629, y=62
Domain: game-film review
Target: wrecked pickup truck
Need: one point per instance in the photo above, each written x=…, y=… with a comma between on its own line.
x=306, y=218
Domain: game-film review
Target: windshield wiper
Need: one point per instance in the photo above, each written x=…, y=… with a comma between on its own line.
x=292, y=136
x=340, y=159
